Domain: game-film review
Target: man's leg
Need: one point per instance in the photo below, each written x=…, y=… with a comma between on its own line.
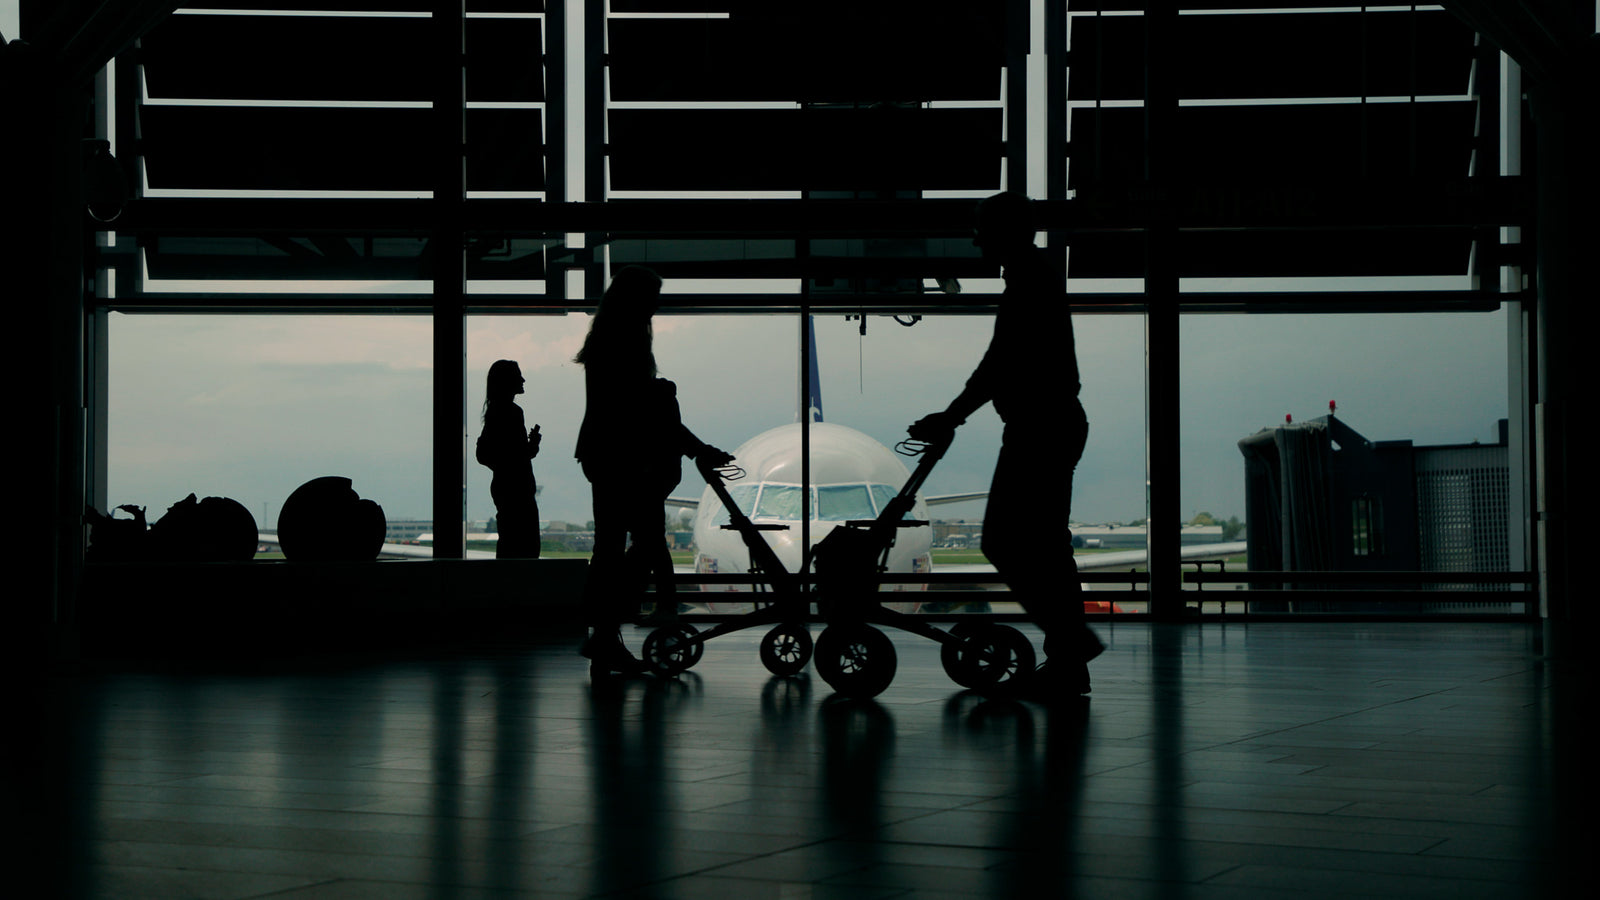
x=1027, y=538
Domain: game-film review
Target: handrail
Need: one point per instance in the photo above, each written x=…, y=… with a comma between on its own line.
x=1258, y=576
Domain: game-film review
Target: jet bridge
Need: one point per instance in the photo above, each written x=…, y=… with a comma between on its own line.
x=1320, y=497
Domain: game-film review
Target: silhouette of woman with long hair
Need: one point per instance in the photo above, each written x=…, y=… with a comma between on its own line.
x=508, y=449
x=631, y=445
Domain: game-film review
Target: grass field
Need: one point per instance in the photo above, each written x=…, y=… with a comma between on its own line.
x=976, y=557
x=686, y=558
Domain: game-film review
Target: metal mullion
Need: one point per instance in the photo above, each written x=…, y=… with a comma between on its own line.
x=1055, y=139
x=1016, y=99
x=447, y=38
x=803, y=251
x=555, y=132
x=1161, y=317
x=596, y=157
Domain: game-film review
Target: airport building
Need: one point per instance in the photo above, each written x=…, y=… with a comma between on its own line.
x=411, y=529
x=286, y=239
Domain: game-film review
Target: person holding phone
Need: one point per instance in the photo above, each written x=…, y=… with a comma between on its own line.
x=508, y=449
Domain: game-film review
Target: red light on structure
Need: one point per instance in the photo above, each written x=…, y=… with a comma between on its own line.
x=1288, y=419
x=1332, y=407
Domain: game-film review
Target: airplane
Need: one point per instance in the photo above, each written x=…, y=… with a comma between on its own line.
x=852, y=477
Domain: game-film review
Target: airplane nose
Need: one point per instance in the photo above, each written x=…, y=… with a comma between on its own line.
x=787, y=544
x=789, y=554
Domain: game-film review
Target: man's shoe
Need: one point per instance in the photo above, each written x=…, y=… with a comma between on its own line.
x=1058, y=682
x=610, y=656
x=1091, y=646
x=662, y=614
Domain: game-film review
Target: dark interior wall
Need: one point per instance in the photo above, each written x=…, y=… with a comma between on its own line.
x=218, y=610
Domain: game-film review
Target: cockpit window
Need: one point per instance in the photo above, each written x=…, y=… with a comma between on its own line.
x=744, y=495
x=882, y=494
x=830, y=503
x=779, y=501
x=843, y=502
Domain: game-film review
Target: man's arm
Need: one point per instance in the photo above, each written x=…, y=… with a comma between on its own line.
x=973, y=396
x=696, y=449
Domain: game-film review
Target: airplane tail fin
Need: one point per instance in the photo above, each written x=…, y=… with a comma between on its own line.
x=814, y=401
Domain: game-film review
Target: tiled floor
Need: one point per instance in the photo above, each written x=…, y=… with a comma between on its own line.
x=1270, y=760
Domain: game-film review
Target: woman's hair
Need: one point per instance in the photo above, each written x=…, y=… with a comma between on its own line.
x=1007, y=217
x=620, y=332
x=502, y=385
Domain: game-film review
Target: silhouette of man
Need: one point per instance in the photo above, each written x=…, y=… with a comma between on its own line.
x=1030, y=373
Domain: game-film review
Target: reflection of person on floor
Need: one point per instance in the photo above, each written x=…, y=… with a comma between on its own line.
x=508, y=450
x=1030, y=372
x=631, y=446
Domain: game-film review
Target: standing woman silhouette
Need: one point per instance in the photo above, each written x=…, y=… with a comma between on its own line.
x=631, y=445
x=508, y=450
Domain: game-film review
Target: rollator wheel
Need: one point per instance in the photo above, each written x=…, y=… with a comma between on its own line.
x=993, y=656
x=858, y=661
x=950, y=654
x=667, y=650
x=786, y=649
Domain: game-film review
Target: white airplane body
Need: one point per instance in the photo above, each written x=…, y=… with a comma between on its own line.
x=1129, y=558
x=852, y=478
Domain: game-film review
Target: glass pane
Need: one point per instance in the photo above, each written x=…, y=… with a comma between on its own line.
x=748, y=350
x=252, y=407
x=881, y=382
x=542, y=347
x=1406, y=412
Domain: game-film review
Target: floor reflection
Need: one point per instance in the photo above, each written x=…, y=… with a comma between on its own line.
x=1314, y=760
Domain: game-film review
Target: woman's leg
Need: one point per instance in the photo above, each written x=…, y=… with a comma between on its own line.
x=607, y=585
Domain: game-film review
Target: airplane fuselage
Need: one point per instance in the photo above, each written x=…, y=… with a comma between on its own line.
x=852, y=476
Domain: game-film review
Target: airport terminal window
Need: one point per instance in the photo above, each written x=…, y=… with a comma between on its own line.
x=1366, y=526
x=1405, y=385
x=1109, y=486
x=542, y=347
x=251, y=407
